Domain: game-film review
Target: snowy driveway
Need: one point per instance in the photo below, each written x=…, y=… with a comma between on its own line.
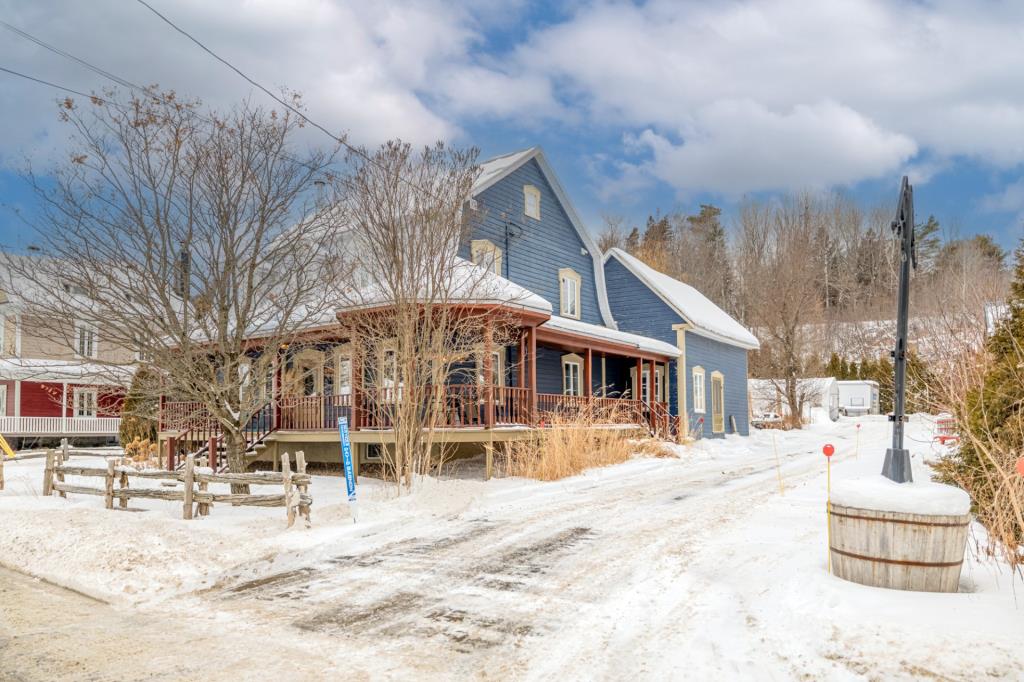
x=690, y=568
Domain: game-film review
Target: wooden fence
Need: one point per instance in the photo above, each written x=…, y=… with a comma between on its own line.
x=295, y=497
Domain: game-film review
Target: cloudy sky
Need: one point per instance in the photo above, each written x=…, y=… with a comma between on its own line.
x=639, y=105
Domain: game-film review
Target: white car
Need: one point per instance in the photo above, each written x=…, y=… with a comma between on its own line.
x=765, y=418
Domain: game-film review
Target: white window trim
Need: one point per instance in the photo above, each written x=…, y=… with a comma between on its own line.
x=76, y=404
x=569, y=275
x=700, y=399
x=79, y=328
x=482, y=249
x=498, y=365
x=318, y=371
x=721, y=377
x=528, y=192
x=3, y=400
x=572, y=359
x=660, y=389
x=343, y=353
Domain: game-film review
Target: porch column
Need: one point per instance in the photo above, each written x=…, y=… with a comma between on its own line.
x=275, y=389
x=357, y=384
x=533, y=374
x=588, y=382
x=64, y=407
x=488, y=367
x=651, y=395
x=639, y=388
x=522, y=358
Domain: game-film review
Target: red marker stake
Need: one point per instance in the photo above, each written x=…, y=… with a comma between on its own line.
x=828, y=451
x=1020, y=466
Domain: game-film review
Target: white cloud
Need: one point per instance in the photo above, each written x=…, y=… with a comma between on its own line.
x=736, y=146
x=742, y=84
x=1010, y=199
x=358, y=65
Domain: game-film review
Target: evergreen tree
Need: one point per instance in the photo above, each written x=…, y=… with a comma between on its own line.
x=992, y=416
x=928, y=240
x=633, y=240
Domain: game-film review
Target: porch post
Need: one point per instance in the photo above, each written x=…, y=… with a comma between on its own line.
x=522, y=360
x=533, y=374
x=652, y=398
x=588, y=381
x=357, y=384
x=64, y=407
x=639, y=388
x=488, y=367
x=275, y=390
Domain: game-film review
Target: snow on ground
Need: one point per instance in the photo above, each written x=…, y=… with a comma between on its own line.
x=694, y=568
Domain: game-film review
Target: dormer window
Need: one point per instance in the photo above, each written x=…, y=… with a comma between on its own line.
x=569, y=292
x=531, y=202
x=485, y=254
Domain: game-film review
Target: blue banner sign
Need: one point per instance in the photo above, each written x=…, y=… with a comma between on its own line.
x=346, y=461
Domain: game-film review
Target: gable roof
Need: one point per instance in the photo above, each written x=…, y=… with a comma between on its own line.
x=707, y=318
x=494, y=170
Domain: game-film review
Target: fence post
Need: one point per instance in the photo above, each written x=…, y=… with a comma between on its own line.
x=190, y=472
x=48, y=473
x=62, y=459
x=300, y=467
x=109, y=493
x=286, y=474
x=204, y=507
x=123, y=502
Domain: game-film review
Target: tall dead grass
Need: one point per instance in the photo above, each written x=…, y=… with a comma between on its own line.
x=572, y=442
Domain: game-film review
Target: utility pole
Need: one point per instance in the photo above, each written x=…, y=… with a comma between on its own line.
x=897, y=458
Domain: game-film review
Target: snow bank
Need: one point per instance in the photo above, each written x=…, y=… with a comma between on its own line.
x=881, y=494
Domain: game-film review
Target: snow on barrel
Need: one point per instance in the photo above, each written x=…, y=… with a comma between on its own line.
x=905, y=536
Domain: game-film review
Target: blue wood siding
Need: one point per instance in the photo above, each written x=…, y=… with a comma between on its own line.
x=639, y=310
x=536, y=249
x=732, y=363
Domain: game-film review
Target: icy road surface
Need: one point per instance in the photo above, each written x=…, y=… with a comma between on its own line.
x=690, y=568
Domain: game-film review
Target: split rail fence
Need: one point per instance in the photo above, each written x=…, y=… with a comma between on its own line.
x=194, y=495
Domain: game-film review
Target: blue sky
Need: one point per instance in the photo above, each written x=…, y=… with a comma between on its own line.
x=640, y=106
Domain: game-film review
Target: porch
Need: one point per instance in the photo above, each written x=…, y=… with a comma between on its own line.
x=563, y=371
x=59, y=426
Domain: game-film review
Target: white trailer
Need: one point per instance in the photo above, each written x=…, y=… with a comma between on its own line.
x=858, y=397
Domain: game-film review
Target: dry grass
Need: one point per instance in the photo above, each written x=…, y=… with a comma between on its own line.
x=575, y=442
x=653, y=447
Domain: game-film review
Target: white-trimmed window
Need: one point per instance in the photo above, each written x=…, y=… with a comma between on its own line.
x=572, y=366
x=699, y=399
x=497, y=367
x=343, y=370
x=84, y=402
x=485, y=254
x=531, y=202
x=3, y=401
x=569, y=292
x=85, y=340
x=643, y=389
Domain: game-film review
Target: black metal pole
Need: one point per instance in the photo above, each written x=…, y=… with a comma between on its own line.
x=897, y=458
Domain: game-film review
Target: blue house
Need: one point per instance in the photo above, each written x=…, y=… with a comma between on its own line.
x=707, y=385
x=602, y=333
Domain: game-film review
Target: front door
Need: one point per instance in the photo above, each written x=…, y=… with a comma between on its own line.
x=717, y=403
x=308, y=386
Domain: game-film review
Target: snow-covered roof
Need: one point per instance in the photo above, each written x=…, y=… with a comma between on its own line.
x=469, y=283
x=707, y=318
x=22, y=369
x=493, y=170
x=594, y=331
x=856, y=382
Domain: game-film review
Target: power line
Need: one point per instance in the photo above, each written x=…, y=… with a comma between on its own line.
x=282, y=102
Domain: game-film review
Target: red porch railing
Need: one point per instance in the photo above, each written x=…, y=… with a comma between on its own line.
x=464, y=406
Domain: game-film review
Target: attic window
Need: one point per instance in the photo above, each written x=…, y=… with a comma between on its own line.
x=531, y=202
x=486, y=255
x=569, y=292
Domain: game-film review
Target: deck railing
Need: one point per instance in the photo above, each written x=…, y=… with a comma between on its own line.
x=60, y=426
x=462, y=406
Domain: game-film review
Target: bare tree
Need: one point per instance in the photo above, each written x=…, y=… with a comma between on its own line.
x=613, y=232
x=425, y=324
x=779, y=290
x=192, y=238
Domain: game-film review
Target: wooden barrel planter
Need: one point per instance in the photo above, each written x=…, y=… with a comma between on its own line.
x=899, y=550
